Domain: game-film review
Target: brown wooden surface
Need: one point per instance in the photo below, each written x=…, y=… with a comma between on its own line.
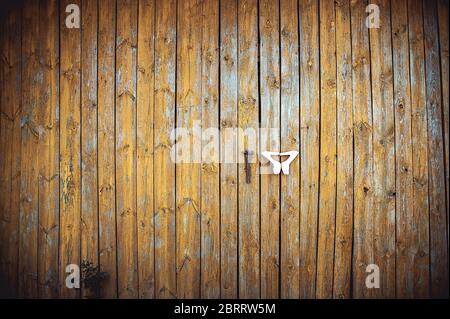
x=405, y=222
x=10, y=145
x=269, y=51
x=29, y=193
x=89, y=157
x=290, y=140
x=70, y=151
x=444, y=56
x=383, y=140
x=436, y=161
x=228, y=171
x=420, y=151
x=126, y=175
x=363, y=221
x=164, y=169
x=86, y=138
x=249, y=226
x=49, y=154
x=328, y=152
x=309, y=144
x=344, y=175
x=210, y=201
x=144, y=136
x=106, y=147
x=188, y=175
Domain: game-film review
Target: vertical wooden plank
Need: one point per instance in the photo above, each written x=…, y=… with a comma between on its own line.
x=89, y=189
x=290, y=140
x=145, y=91
x=328, y=151
x=363, y=153
x=406, y=244
x=344, y=184
x=70, y=156
x=443, y=7
x=14, y=234
x=164, y=117
x=270, y=141
x=29, y=209
x=10, y=144
x=249, y=217
x=188, y=174
x=436, y=162
x=228, y=168
x=210, y=198
x=420, y=149
x=126, y=44
x=383, y=152
x=4, y=149
x=419, y=82
x=106, y=146
x=49, y=151
x=309, y=146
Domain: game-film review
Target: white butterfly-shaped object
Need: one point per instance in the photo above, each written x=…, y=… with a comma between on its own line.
x=283, y=166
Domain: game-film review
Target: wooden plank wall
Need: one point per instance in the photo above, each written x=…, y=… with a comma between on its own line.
x=86, y=148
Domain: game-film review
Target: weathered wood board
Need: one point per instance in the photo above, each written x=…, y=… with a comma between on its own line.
x=94, y=165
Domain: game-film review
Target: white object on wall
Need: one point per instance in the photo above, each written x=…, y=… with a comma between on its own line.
x=280, y=166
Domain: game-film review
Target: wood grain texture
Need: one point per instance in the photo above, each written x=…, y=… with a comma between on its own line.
x=96, y=109
x=309, y=143
x=249, y=194
x=344, y=166
x=4, y=162
x=269, y=72
x=363, y=252
x=126, y=68
x=29, y=192
x=89, y=147
x=210, y=180
x=228, y=149
x=405, y=225
x=10, y=148
x=442, y=11
x=106, y=146
x=164, y=168
x=144, y=136
x=3, y=170
x=69, y=149
x=436, y=161
x=49, y=151
x=383, y=140
x=328, y=151
x=188, y=171
x=420, y=149
x=290, y=140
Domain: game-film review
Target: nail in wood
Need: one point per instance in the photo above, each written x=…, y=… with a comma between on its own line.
x=248, y=172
